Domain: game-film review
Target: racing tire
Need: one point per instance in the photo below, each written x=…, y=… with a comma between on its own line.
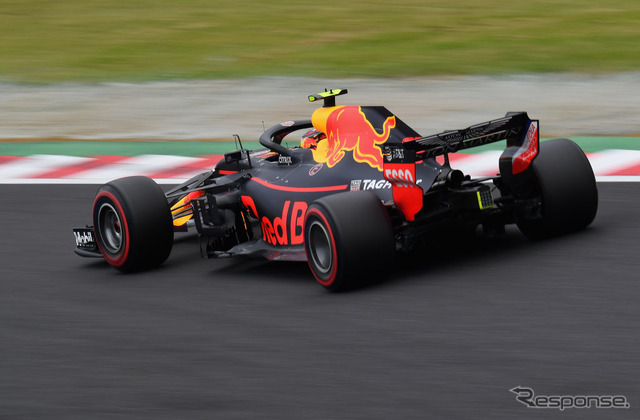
x=567, y=188
x=133, y=224
x=348, y=240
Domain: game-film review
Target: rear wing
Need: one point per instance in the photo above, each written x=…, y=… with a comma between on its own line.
x=520, y=132
x=514, y=128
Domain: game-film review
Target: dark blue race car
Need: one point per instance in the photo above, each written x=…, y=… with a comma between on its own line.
x=361, y=186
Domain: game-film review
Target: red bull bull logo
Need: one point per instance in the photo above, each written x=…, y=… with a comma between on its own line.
x=348, y=129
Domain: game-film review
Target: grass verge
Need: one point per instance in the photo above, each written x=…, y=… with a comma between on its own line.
x=44, y=41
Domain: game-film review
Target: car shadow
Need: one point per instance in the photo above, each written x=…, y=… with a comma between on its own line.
x=431, y=261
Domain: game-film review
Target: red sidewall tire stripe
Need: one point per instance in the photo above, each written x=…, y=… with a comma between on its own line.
x=120, y=259
x=313, y=212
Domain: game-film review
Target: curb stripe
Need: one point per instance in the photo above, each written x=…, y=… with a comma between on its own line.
x=609, y=162
x=7, y=159
x=30, y=166
x=138, y=165
x=478, y=164
x=93, y=162
x=615, y=164
x=203, y=163
x=631, y=170
x=481, y=164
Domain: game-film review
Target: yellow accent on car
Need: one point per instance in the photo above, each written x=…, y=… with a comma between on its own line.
x=182, y=220
x=326, y=94
x=320, y=116
x=485, y=199
x=182, y=211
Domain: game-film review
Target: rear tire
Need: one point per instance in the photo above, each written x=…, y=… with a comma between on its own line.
x=348, y=240
x=133, y=224
x=567, y=188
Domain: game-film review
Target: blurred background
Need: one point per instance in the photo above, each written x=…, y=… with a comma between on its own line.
x=202, y=69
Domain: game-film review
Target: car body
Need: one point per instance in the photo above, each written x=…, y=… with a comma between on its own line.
x=361, y=186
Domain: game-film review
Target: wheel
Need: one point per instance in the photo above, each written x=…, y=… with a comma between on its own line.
x=132, y=223
x=567, y=188
x=348, y=240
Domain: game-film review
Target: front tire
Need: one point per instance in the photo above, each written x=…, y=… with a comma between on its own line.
x=567, y=188
x=348, y=240
x=133, y=224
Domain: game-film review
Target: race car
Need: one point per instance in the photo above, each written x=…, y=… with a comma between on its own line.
x=358, y=188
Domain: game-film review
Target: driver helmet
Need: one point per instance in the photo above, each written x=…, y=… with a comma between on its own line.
x=311, y=138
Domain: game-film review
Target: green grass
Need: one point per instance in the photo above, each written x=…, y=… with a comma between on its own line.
x=47, y=41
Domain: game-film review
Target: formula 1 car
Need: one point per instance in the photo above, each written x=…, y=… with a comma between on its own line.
x=361, y=186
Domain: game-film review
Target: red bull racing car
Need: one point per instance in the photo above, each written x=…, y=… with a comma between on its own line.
x=361, y=186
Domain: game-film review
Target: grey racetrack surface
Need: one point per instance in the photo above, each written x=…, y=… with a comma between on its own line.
x=567, y=104
x=447, y=337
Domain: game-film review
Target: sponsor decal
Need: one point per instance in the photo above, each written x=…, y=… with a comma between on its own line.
x=287, y=123
x=284, y=160
x=402, y=178
x=453, y=136
x=315, y=169
x=395, y=154
x=355, y=185
x=286, y=229
x=407, y=196
x=84, y=238
x=527, y=397
x=475, y=131
x=375, y=184
x=348, y=129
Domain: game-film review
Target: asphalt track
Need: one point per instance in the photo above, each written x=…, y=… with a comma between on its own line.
x=446, y=337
